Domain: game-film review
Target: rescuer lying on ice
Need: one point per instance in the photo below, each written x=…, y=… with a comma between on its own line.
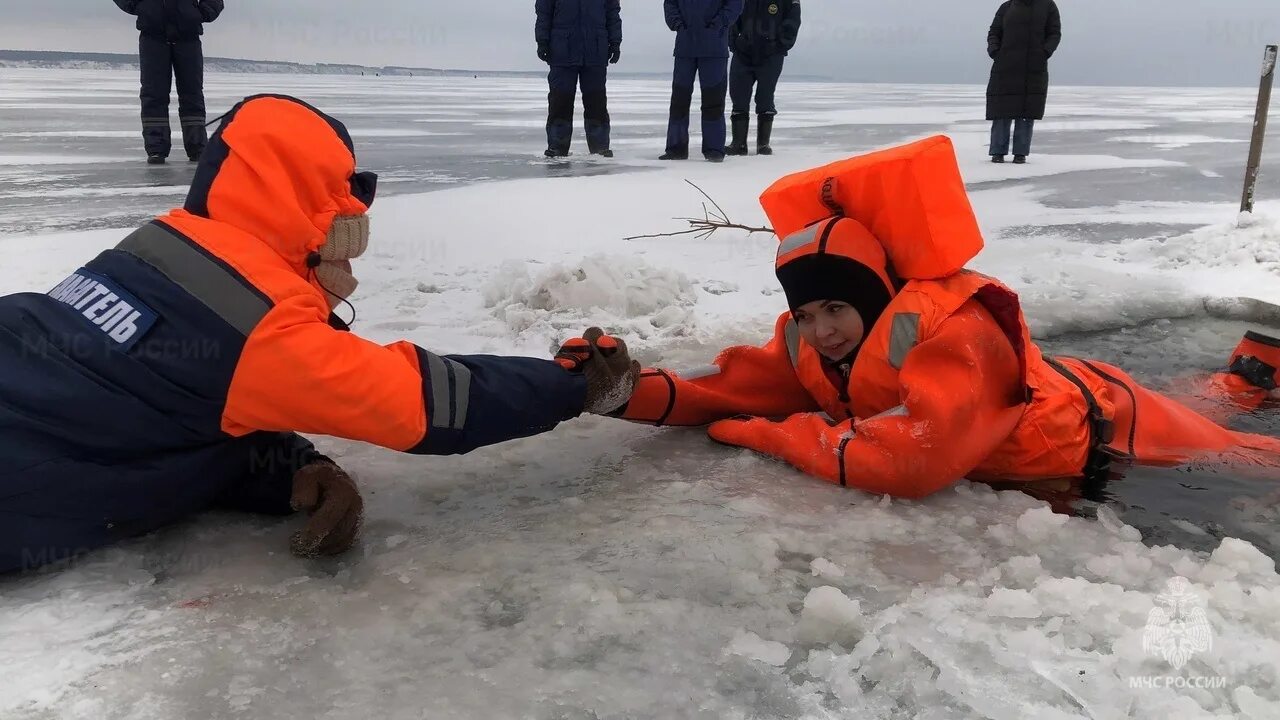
x=925, y=371
x=170, y=374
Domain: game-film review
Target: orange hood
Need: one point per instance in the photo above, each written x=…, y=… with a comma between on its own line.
x=280, y=170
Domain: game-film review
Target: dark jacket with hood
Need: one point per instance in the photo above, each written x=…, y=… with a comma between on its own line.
x=1023, y=36
x=172, y=20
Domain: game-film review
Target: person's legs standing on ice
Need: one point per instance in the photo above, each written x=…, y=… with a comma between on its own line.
x=563, y=86
x=1022, y=128
x=760, y=39
x=766, y=109
x=742, y=78
x=713, y=76
x=579, y=39
x=595, y=101
x=169, y=43
x=682, y=80
x=188, y=71
x=702, y=50
x=1000, y=139
x=155, y=62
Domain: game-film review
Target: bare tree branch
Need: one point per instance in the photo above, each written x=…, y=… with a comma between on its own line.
x=723, y=215
x=704, y=227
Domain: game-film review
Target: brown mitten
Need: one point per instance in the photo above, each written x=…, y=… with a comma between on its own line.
x=332, y=500
x=611, y=373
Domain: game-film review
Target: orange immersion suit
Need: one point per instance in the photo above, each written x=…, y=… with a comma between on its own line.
x=947, y=383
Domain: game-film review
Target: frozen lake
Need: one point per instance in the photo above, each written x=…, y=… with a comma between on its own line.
x=71, y=148
x=612, y=571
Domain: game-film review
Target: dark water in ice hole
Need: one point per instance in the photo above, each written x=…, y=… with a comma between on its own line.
x=1190, y=507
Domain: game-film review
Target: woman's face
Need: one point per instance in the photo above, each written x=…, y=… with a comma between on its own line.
x=832, y=327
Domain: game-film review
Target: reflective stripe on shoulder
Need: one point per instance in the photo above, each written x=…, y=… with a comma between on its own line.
x=206, y=279
x=792, y=334
x=904, y=336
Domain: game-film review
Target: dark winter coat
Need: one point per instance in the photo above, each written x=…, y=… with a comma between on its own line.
x=765, y=29
x=1023, y=36
x=702, y=26
x=579, y=32
x=172, y=20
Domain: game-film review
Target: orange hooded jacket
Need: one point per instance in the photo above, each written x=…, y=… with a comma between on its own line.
x=279, y=172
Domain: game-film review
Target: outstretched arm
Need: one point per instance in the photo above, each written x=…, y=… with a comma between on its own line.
x=744, y=380
x=298, y=374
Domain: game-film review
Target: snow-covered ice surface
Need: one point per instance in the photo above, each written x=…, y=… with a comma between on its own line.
x=614, y=571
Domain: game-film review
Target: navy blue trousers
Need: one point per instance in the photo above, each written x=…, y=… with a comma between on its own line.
x=713, y=75
x=763, y=76
x=161, y=62
x=564, y=82
x=1022, y=131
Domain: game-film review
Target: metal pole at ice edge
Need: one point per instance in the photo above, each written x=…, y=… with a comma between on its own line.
x=1259, y=128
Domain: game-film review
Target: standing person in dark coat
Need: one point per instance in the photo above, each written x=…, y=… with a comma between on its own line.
x=760, y=39
x=168, y=47
x=1023, y=36
x=702, y=52
x=579, y=39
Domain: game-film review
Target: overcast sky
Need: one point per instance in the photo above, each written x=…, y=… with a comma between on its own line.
x=1132, y=42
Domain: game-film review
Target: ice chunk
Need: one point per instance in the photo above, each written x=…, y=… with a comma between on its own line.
x=1254, y=707
x=823, y=567
x=1243, y=557
x=1040, y=524
x=1005, y=602
x=829, y=616
x=1109, y=520
x=1022, y=570
x=752, y=646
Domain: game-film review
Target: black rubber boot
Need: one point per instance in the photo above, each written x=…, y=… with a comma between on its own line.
x=765, y=132
x=741, y=127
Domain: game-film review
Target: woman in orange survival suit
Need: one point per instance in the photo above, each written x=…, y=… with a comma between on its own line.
x=926, y=370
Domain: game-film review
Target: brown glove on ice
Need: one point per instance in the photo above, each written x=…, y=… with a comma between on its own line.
x=332, y=500
x=611, y=373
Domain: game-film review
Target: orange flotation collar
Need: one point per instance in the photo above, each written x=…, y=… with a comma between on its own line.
x=912, y=198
